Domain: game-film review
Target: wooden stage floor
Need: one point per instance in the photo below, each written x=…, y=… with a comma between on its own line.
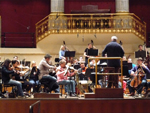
x=77, y=105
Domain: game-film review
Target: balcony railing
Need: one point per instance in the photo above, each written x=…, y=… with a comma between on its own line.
x=90, y=23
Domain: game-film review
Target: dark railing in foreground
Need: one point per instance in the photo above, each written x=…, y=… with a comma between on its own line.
x=33, y=108
x=18, y=40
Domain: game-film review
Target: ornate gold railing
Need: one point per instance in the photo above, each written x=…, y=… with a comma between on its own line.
x=90, y=23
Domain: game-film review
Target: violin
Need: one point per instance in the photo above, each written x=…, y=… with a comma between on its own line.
x=22, y=68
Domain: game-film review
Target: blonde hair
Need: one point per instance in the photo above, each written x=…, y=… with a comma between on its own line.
x=61, y=62
x=33, y=62
x=61, y=47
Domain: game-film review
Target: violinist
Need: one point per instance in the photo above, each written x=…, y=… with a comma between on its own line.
x=134, y=72
x=81, y=71
x=6, y=71
x=44, y=76
x=62, y=78
x=20, y=76
x=34, y=76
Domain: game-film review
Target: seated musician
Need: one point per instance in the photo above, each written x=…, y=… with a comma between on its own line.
x=34, y=76
x=75, y=62
x=44, y=76
x=6, y=71
x=62, y=77
x=140, y=66
x=20, y=76
x=133, y=65
x=81, y=72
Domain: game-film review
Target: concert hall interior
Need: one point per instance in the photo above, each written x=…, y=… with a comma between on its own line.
x=74, y=56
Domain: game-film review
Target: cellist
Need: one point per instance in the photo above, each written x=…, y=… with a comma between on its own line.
x=134, y=72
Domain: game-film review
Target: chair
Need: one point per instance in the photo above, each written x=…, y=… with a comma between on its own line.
x=43, y=87
x=61, y=86
x=5, y=86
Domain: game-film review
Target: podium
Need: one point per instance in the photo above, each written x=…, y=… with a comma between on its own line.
x=106, y=93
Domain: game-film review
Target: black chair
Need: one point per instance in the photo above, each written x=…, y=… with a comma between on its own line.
x=43, y=86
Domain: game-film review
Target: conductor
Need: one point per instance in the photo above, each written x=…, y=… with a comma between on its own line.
x=113, y=49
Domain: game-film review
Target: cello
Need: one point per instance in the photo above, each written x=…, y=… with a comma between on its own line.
x=137, y=80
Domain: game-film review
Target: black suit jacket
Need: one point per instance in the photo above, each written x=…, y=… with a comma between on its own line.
x=113, y=49
x=6, y=74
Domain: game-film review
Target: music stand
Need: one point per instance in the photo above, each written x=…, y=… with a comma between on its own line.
x=140, y=54
x=69, y=54
x=92, y=52
x=56, y=59
x=129, y=66
x=77, y=66
x=125, y=62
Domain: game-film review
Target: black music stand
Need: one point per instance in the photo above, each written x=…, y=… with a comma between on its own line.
x=140, y=54
x=129, y=66
x=69, y=54
x=56, y=59
x=92, y=52
x=77, y=66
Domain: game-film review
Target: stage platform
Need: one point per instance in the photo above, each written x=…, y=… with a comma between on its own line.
x=76, y=105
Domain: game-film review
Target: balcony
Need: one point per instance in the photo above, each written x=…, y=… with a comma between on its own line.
x=106, y=23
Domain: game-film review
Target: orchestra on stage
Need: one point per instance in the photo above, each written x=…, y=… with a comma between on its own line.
x=73, y=74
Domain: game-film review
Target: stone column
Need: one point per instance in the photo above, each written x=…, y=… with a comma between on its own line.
x=122, y=6
x=57, y=6
x=56, y=20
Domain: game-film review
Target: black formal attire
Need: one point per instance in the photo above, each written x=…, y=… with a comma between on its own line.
x=113, y=49
x=86, y=58
x=34, y=78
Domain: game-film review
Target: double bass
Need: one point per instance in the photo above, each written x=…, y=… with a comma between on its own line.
x=137, y=80
x=68, y=59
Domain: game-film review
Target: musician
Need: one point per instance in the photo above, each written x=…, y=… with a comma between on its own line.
x=113, y=49
x=19, y=76
x=6, y=71
x=62, y=51
x=44, y=76
x=34, y=76
x=75, y=62
x=81, y=60
x=133, y=65
x=81, y=72
x=62, y=78
x=90, y=46
x=133, y=74
x=15, y=58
